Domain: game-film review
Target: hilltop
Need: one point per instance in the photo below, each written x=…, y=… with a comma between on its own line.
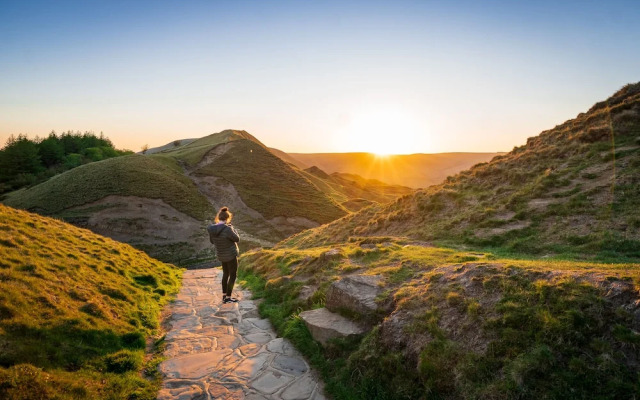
x=486, y=286
x=76, y=310
x=162, y=202
x=412, y=170
x=572, y=189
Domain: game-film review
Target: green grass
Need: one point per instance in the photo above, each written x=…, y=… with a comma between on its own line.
x=76, y=310
x=192, y=153
x=274, y=189
x=470, y=325
x=156, y=177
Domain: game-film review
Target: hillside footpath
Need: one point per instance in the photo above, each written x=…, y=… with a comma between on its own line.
x=217, y=350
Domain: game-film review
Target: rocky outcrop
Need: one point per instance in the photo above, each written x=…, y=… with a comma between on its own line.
x=325, y=325
x=355, y=293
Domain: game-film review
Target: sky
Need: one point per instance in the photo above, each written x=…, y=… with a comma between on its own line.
x=313, y=76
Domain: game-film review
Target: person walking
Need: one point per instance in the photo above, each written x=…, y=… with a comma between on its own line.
x=225, y=239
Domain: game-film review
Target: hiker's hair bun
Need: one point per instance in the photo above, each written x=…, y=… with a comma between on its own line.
x=224, y=215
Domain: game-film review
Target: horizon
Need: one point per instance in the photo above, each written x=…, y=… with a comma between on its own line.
x=404, y=78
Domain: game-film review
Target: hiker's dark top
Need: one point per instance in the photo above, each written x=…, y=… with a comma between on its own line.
x=226, y=239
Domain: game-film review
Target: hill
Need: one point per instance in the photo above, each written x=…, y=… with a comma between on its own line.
x=352, y=191
x=169, y=146
x=510, y=308
x=76, y=310
x=571, y=190
x=142, y=200
x=161, y=202
x=412, y=170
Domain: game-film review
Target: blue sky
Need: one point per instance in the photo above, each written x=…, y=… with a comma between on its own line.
x=321, y=76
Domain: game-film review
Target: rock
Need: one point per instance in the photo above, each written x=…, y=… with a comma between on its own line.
x=333, y=254
x=355, y=293
x=325, y=325
x=306, y=292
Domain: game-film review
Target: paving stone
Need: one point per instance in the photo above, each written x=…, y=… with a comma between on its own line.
x=291, y=365
x=189, y=322
x=227, y=392
x=251, y=367
x=255, y=396
x=194, y=366
x=260, y=323
x=228, y=341
x=178, y=313
x=282, y=346
x=192, y=392
x=271, y=381
x=182, y=347
x=258, y=337
x=227, y=365
x=206, y=311
x=249, y=350
x=301, y=389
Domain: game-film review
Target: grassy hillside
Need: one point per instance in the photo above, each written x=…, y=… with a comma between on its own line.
x=412, y=170
x=192, y=153
x=135, y=175
x=352, y=191
x=75, y=311
x=509, y=309
x=461, y=325
x=269, y=185
x=572, y=190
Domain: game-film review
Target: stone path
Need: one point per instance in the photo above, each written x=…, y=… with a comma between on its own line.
x=225, y=351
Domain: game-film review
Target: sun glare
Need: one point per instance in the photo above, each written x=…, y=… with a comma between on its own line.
x=381, y=132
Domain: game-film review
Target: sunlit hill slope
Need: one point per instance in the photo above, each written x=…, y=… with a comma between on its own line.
x=509, y=308
x=572, y=189
x=75, y=311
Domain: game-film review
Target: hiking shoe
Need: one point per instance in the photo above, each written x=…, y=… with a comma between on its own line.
x=232, y=300
x=226, y=299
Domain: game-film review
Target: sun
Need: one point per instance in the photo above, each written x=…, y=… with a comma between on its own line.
x=383, y=132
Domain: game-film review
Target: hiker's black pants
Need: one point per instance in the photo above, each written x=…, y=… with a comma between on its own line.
x=229, y=271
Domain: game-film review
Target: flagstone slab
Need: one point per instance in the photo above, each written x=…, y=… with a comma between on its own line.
x=271, y=381
x=194, y=366
x=301, y=389
x=291, y=365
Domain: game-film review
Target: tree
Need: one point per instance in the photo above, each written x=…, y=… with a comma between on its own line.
x=20, y=156
x=145, y=148
x=51, y=151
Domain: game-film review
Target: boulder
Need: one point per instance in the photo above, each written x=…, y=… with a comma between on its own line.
x=329, y=255
x=355, y=293
x=325, y=325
